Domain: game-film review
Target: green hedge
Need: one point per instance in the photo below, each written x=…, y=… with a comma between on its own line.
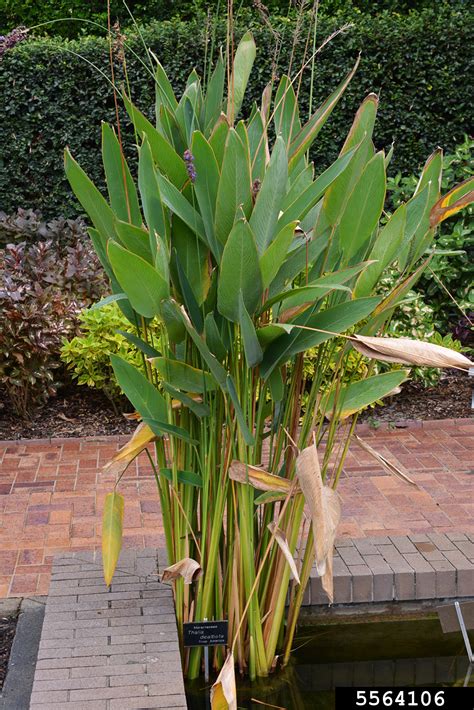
x=31, y=12
x=421, y=65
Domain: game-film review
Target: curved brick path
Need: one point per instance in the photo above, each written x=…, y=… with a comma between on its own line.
x=52, y=492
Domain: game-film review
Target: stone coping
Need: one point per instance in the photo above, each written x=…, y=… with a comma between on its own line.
x=399, y=568
x=108, y=648
x=360, y=428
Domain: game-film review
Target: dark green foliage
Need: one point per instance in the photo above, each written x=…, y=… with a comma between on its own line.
x=32, y=12
x=420, y=65
x=42, y=290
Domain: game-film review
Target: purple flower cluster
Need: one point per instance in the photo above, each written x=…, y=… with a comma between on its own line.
x=189, y=160
x=11, y=39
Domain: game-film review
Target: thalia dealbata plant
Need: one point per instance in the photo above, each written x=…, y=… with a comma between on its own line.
x=248, y=257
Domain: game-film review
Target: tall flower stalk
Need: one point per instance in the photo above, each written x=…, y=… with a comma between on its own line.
x=248, y=259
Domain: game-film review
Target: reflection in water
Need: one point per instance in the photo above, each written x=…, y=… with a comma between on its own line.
x=373, y=654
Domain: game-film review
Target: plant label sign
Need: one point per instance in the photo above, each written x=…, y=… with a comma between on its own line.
x=205, y=633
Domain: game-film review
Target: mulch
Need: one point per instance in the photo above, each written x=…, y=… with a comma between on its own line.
x=81, y=411
x=7, y=633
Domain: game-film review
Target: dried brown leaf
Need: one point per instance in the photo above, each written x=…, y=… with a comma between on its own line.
x=410, y=352
x=258, y=478
x=141, y=437
x=285, y=548
x=387, y=465
x=187, y=568
x=224, y=691
x=325, y=508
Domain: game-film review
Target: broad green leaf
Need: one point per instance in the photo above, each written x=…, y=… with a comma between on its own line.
x=183, y=376
x=258, y=146
x=151, y=199
x=220, y=375
x=246, y=433
x=162, y=427
x=252, y=349
x=318, y=288
x=164, y=155
x=139, y=391
x=268, y=333
x=298, y=261
x=386, y=247
x=286, y=115
x=194, y=258
x=112, y=526
x=108, y=299
x=234, y=186
x=163, y=86
x=213, y=338
x=218, y=138
x=120, y=185
x=135, y=239
x=417, y=223
x=192, y=403
x=353, y=397
x=272, y=259
x=276, y=385
x=189, y=478
x=334, y=320
x=305, y=200
x=90, y=198
x=189, y=298
x=173, y=321
x=264, y=218
x=142, y=345
x=432, y=171
x=305, y=137
x=213, y=103
x=179, y=205
x=239, y=271
x=205, y=188
x=359, y=135
x=243, y=62
x=363, y=208
x=142, y=283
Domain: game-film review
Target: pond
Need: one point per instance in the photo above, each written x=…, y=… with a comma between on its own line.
x=366, y=652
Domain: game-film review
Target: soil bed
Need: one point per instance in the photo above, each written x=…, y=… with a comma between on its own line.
x=450, y=399
x=7, y=634
x=79, y=411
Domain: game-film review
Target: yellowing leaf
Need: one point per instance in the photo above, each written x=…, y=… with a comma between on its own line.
x=282, y=542
x=258, y=478
x=452, y=202
x=112, y=523
x=325, y=508
x=139, y=441
x=224, y=691
x=410, y=352
x=187, y=568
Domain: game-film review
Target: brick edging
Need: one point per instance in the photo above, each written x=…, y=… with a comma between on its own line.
x=362, y=427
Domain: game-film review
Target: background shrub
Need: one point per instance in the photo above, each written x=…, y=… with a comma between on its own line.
x=455, y=268
x=43, y=288
x=420, y=63
x=87, y=355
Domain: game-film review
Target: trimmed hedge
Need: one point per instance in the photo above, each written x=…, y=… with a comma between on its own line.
x=32, y=12
x=420, y=64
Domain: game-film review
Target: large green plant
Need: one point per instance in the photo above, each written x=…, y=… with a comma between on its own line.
x=249, y=258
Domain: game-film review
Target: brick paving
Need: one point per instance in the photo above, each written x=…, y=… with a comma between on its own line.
x=52, y=493
x=108, y=649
